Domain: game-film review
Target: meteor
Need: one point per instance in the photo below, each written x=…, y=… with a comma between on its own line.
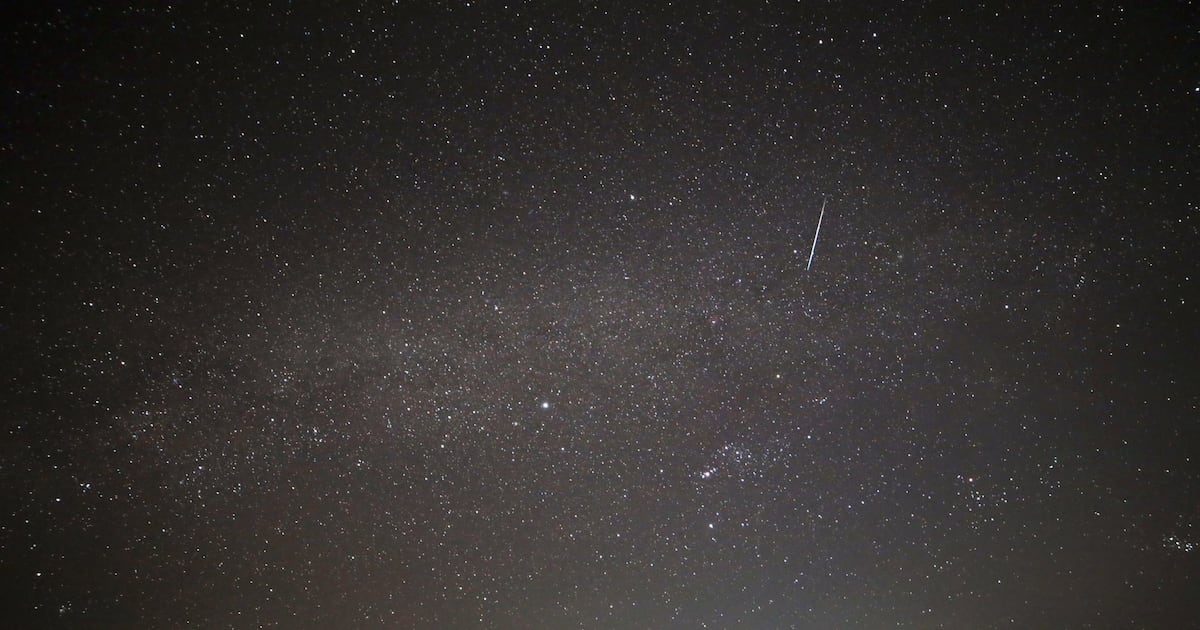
x=816, y=235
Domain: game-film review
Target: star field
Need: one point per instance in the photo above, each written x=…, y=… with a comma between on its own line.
x=496, y=315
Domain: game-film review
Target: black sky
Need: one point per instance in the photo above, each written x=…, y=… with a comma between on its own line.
x=495, y=315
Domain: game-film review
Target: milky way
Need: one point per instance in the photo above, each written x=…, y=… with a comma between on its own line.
x=505, y=316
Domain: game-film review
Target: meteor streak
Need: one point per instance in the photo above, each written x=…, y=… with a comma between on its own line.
x=817, y=234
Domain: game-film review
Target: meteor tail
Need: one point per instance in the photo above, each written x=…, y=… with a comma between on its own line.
x=816, y=235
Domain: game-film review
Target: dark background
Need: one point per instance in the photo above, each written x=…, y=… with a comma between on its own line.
x=496, y=315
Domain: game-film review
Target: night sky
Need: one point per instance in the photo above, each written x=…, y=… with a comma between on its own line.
x=499, y=315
